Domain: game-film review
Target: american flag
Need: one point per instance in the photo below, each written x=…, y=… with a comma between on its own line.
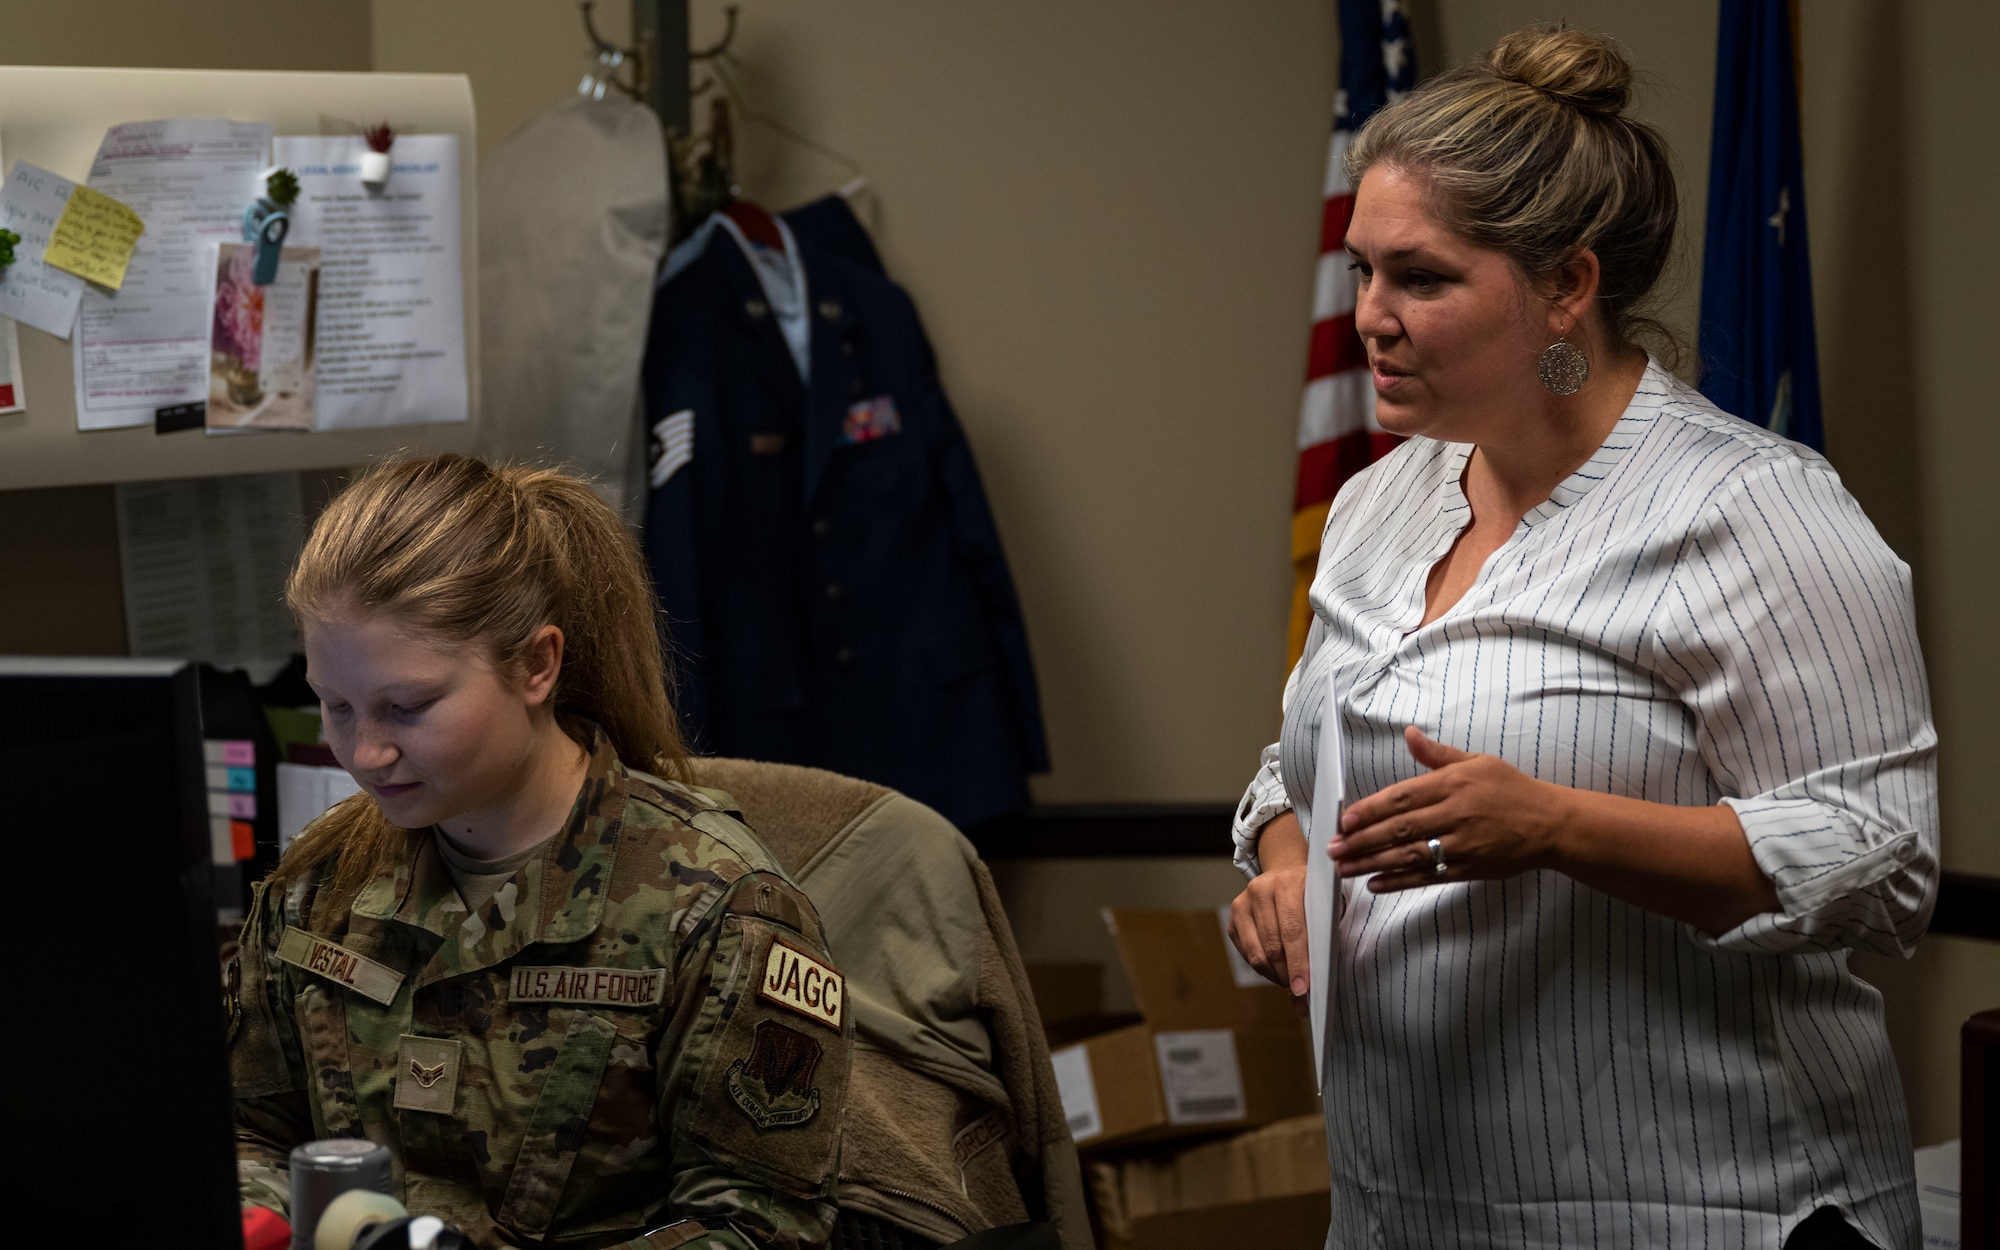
x=1338, y=436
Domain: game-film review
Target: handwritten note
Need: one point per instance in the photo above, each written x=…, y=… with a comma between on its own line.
x=30, y=291
x=94, y=238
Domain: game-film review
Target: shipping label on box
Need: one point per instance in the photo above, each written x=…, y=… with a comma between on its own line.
x=1200, y=1076
x=1078, y=1091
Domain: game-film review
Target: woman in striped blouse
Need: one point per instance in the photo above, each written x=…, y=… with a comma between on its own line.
x=1637, y=741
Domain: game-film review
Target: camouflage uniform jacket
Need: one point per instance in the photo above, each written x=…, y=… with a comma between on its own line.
x=641, y=1027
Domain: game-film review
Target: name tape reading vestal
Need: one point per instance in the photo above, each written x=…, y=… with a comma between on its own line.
x=609, y=987
x=796, y=980
x=338, y=964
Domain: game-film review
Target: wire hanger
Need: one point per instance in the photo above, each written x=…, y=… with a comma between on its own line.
x=727, y=72
x=702, y=165
x=610, y=59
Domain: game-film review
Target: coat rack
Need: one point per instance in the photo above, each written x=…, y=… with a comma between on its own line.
x=661, y=56
x=660, y=61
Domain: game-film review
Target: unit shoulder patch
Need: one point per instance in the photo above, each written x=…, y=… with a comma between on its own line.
x=603, y=987
x=773, y=1085
x=338, y=964
x=798, y=982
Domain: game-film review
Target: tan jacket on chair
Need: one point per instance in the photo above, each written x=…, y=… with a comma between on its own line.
x=954, y=1123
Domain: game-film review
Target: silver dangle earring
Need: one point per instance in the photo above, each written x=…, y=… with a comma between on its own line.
x=1563, y=368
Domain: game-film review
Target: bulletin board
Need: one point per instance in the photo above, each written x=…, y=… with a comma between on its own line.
x=55, y=117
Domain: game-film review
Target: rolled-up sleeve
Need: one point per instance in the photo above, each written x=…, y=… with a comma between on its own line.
x=1264, y=799
x=1267, y=796
x=1789, y=628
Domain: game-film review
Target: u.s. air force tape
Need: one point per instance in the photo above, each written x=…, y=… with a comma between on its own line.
x=338, y=964
x=608, y=987
x=796, y=980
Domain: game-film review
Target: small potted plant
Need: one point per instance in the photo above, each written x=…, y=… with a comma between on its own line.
x=375, y=161
x=7, y=241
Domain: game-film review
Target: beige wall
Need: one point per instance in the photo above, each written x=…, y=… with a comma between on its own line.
x=187, y=34
x=521, y=55
x=1902, y=122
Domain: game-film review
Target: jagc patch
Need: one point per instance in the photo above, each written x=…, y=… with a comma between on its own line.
x=795, y=980
x=338, y=964
x=773, y=1085
x=604, y=987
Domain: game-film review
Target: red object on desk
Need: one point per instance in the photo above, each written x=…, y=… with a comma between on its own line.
x=265, y=1229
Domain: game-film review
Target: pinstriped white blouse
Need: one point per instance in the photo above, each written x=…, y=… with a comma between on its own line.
x=1700, y=614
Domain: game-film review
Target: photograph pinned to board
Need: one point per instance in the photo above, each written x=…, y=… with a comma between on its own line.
x=391, y=318
x=145, y=347
x=13, y=396
x=31, y=290
x=261, y=341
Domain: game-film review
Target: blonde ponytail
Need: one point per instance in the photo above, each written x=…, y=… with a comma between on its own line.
x=464, y=553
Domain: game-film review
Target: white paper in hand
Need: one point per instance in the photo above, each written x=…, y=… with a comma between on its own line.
x=1322, y=878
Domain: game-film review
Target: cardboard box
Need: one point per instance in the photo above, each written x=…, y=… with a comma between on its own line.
x=1265, y=1188
x=1211, y=1052
x=1066, y=991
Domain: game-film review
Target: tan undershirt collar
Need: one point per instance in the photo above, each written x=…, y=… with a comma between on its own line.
x=479, y=879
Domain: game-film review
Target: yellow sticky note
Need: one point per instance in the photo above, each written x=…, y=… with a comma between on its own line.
x=94, y=238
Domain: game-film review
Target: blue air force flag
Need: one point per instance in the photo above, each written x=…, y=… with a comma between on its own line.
x=1758, y=358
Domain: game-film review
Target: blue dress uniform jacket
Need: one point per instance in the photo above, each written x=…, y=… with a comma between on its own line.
x=835, y=588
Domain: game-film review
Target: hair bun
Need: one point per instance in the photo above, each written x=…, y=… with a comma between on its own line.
x=1578, y=68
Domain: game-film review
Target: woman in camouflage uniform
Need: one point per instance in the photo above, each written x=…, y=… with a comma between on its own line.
x=579, y=1002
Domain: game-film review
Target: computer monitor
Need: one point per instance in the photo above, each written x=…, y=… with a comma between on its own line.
x=117, y=1099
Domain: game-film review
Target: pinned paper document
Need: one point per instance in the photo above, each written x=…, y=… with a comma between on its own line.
x=390, y=332
x=144, y=348
x=94, y=238
x=30, y=291
x=1322, y=878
